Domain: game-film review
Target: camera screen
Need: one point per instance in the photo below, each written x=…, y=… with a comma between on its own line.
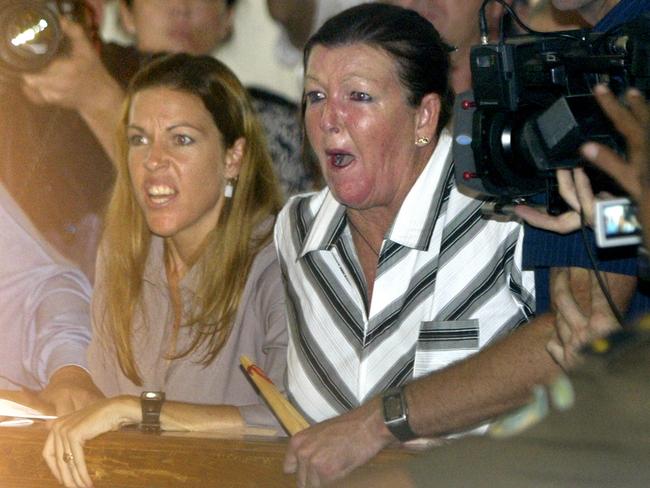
x=620, y=220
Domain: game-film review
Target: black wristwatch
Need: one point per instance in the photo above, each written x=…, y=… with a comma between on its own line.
x=396, y=414
x=151, y=403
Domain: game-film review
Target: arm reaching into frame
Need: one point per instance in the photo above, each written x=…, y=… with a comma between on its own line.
x=79, y=81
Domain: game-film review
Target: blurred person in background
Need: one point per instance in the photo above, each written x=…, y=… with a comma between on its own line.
x=543, y=16
x=604, y=14
x=51, y=163
x=80, y=82
x=299, y=20
x=44, y=316
x=544, y=247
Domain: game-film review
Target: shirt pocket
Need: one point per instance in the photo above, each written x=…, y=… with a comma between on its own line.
x=442, y=342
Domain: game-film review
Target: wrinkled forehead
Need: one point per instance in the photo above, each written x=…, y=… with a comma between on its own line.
x=359, y=54
x=356, y=61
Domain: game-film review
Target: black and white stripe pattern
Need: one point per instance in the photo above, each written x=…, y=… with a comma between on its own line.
x=448, y=282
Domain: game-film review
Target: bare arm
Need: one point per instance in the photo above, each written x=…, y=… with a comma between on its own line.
x=296, y=16
x=79, y=81
x=459, y=397
x=499, y=378
x=490, y=383
x=486, y=385
x=68, y=434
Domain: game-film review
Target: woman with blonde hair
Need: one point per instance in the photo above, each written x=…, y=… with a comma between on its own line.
x=187, y=275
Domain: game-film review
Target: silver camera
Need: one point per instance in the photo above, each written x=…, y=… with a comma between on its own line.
x=616, y=223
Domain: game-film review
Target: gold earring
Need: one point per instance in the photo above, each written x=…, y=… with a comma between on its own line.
x=422, y=141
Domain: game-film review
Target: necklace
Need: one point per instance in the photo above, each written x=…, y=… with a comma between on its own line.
x=376, y=253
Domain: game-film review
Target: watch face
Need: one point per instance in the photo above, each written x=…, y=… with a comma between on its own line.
x=151, y=395
x=393, y=407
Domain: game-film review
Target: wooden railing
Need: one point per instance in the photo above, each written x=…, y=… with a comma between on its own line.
x=132, y=459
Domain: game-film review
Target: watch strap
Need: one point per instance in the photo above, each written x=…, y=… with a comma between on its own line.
x=396, y=414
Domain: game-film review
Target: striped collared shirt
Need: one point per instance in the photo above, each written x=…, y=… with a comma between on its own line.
x=448, y=283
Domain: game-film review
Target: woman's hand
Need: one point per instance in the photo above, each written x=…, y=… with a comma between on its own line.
x=331, y=449
x=70, y=388
x=63, y=449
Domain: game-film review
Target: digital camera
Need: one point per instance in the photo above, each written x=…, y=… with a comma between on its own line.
x=616, y=223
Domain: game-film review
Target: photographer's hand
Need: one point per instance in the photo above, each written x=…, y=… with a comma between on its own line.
x=575, y=189
x=79, y=81
x=632, y=122
x=575, y=326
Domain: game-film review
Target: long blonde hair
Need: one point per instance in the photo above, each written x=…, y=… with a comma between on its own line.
x=228, y=251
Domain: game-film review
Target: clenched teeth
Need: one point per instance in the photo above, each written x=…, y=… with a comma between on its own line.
x=161, y=191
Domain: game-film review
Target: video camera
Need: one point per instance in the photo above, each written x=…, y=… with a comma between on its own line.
x=30, y=32
x=531, y=108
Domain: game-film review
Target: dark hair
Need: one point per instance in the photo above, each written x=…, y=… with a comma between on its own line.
x=129, y=3
x=422, y=57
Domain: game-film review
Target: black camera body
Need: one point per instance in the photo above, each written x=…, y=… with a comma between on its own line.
x=30, y=32
x=531, y=106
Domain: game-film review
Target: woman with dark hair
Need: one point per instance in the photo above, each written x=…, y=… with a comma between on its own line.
x=396, y=282
x=187, y=276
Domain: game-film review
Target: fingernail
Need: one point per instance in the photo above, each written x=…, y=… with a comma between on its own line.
x=634, y=92
x=601, y=89
x=590, y=150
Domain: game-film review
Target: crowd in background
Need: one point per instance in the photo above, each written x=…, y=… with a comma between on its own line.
x=130, y=164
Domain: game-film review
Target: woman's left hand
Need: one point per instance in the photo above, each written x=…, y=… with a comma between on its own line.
x=63, y=449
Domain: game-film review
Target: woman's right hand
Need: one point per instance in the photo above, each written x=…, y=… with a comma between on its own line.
x=63, y=449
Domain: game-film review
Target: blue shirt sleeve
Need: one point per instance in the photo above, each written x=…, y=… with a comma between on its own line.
x=545, y=249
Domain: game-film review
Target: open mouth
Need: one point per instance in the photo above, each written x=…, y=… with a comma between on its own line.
x=161, y=194
x=339, y=159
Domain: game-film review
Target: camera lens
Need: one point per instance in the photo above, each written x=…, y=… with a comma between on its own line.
x=30, y=35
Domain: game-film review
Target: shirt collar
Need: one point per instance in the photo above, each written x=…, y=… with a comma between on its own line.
x=412, y=227
x=416, y=218
x=328, y=224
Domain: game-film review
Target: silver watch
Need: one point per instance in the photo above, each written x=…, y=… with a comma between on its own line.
x=396, y=414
